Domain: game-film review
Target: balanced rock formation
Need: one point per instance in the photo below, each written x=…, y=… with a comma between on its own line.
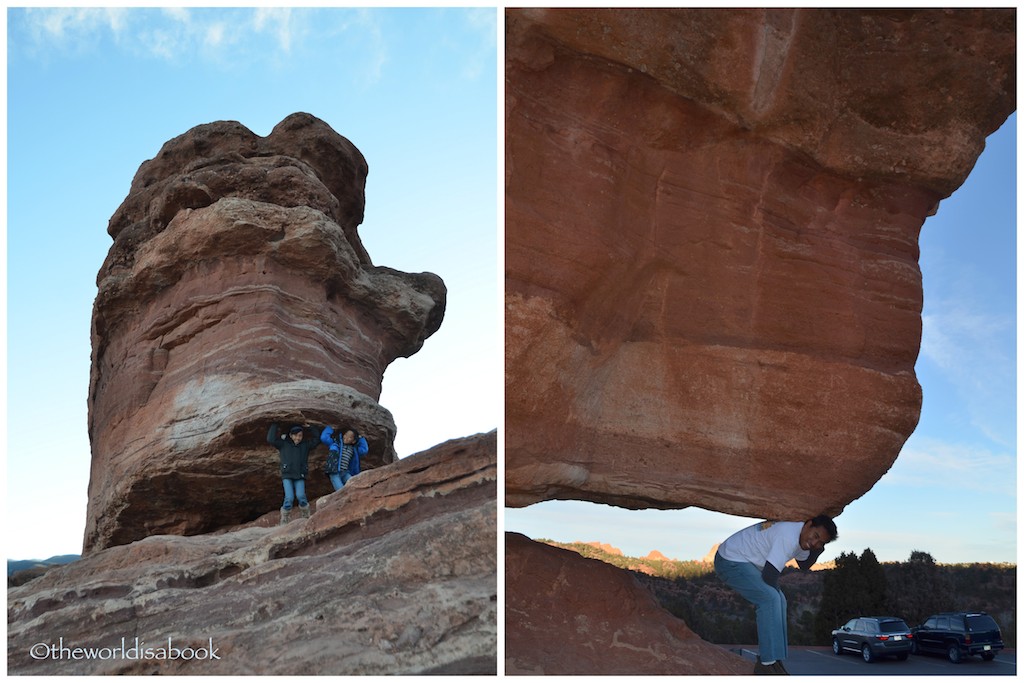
x=237, y=293
x=393, y=574
x=569, y=615
x=713, y=295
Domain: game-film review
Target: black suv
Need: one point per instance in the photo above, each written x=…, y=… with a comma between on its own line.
x=958, y=635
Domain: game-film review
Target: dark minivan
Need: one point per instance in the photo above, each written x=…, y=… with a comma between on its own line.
x=958, y=635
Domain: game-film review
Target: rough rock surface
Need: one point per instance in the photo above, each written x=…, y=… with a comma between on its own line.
x=566, y=614
x=712, y=287
x=394, y=574
x=237, y=293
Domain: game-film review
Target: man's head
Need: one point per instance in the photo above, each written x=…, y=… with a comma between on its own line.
x=349, y=436
x=817, y=532
x=296, y=434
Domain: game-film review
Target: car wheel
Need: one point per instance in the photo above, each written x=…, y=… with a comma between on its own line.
x=953, y=652
x=868, y=655
x=902, y=656
x=988, y=656
x=836, y=648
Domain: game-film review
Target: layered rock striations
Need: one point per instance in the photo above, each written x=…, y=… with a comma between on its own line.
x=237, y=293
x=393, y=574
x=713, y=296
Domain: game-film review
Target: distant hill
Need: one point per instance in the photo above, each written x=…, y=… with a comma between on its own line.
x=655, y=564
x=19, y=565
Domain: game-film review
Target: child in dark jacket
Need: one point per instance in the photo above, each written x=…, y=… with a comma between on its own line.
x=343, y=459
x=294, y=450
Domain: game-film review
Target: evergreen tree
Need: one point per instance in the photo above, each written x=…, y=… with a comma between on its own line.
x=919, y=589
x=875, y=600
x=855, y=588
x=837, y=603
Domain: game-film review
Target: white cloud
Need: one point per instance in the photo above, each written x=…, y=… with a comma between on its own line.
x=973, y=350
x=279, y=21
x=214, y=35
x=376, y=54
x=72, y=28
x=930, y=463
x=180, y=14
x=483, y=21
x=170, y=34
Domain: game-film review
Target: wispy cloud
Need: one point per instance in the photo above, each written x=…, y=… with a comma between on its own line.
x=931, y=463
x=278, y=21
x=482, y=23
x=973, y=350
x=357, y=41
x=373, y=46
x=72, y=27
x=170, y=34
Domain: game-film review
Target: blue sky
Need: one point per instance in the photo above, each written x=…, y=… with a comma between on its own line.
x=952, y=491
x=94, y=93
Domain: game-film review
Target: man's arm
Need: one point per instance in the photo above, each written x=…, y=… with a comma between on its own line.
x=771, y=575
x=272, y=435
x=811, y=559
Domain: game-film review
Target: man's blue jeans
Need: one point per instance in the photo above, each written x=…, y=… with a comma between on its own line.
x=294, y=488
x=770, y=605
x=339, y=480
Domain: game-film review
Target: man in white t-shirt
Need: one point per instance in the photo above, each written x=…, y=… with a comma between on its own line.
x=751, y=561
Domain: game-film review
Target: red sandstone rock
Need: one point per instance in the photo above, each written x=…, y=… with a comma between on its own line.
x=712, y=290
x=236, y=294
x=565, y=614
x=605, y=547
x=394, y=574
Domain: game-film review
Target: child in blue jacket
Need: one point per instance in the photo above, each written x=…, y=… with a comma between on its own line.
x=343, y=459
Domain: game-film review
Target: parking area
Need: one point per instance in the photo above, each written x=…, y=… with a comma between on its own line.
x=820, y=661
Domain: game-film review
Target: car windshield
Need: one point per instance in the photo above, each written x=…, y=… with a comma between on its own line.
x=894, y=626
x=981, y=622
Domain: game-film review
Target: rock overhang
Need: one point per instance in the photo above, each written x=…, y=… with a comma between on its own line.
x=712, y=289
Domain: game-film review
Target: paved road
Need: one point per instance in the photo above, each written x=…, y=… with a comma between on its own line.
x=820, y=661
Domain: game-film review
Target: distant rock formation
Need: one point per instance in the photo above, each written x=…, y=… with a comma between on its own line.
x=237, y=293
x=569, y=615
x=610, y=549
x=656, y=556
x=713, y=296
x=394, y=574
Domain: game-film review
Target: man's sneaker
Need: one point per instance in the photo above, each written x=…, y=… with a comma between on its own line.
x=779, y=669
x=766, y=669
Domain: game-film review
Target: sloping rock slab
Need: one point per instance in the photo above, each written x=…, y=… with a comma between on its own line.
x=394, y=574
x=566, y=614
